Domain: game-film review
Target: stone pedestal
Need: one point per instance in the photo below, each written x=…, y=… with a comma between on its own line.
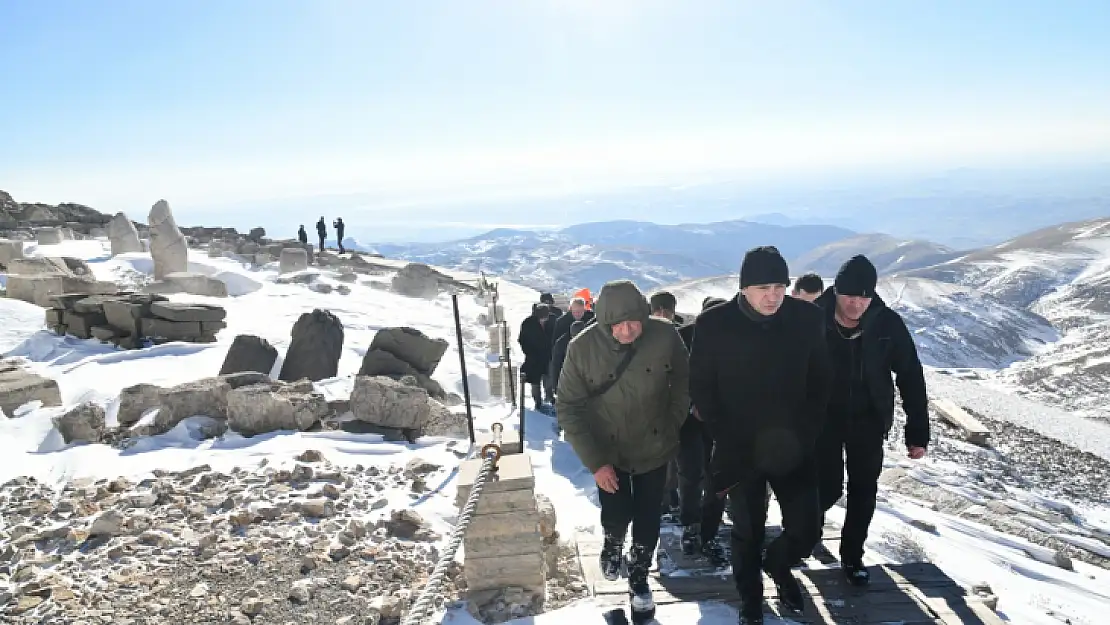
x=496, y=314
x=496, y=334
x=503, y=545
x=501, y=380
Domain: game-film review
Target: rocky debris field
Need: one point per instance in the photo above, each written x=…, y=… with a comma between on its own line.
x=308, y=543
x=1021, y=485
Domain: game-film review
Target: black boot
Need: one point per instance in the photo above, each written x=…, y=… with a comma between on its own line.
x=639, y=562
x=691, y=539
x=855, y=572
x=612, y=559
x=751, y=611
x=789, y=590
x=714, y=552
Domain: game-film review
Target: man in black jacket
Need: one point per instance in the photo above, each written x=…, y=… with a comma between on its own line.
x=759, y=379
x=535, y=341
x=549, y=299
x=867, y=342
x=559, y=352
x=808, y=287
x=700, y=507
x=576, y=311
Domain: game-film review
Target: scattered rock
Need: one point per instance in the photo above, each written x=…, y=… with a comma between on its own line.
x=18, y=386
x=249, y=353
x=83, y=423
x=315, y=348
x=386, y=402
x=262, y=408
x=123, y=236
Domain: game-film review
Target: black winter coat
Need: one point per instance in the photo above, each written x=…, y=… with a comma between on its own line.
x=535, y=341
x=562, y=324
x=888, y=348
x=761, y=386
x=558, y=356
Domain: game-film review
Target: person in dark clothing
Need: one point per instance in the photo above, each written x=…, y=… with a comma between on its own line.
x=622, y=399
x=535, y=341
x=559, y=352
x=547, y=298
x=576, y=311
x=867, y=342
x=700, y=507
x=322, y=232
x=808, y=287
x=663, y=305
x=339, y=228
x=760, y=379
x=302, y=236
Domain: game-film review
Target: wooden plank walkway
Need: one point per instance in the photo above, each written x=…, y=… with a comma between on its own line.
x=909, y=594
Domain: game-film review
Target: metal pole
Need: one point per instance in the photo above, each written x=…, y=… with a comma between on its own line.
x=507, y=357
x=462, y=366
x=521, y=413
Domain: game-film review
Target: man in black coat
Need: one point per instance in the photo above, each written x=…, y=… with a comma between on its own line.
x=759, y=379
x=339, y=228
x=700, y=507
x=321, y=232
x=559, y=352
x=549, y=299
x=576, y=311
x=535, y=341
x=867, y=342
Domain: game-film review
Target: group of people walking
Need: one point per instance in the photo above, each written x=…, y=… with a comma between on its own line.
x=765, y=392
x=322, y=233
x=544, y=338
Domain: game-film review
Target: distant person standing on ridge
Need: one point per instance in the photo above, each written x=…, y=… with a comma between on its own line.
x=808, y=287
x=339, y=227
x=759, y=379
x=322, y=231
x=302, y=236
x=868, y=342
x=623, y=395
x=535, y=341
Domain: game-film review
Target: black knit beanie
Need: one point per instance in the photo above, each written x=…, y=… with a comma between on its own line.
x=764, y=265
x=857, y=276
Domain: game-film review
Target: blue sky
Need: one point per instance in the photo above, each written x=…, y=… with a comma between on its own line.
x=208, y=103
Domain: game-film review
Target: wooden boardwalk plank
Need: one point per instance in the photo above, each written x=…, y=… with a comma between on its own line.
x=912, y=594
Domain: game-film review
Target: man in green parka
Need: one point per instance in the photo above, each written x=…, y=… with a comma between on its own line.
x=622, y=398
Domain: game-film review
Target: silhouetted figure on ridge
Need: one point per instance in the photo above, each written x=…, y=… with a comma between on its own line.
x=302, y=236
x=322, y=231
x=339, y=228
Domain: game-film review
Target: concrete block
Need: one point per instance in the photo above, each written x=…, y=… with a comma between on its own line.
x=514, y=473
x=54, y=316
x=503, y=524
x=124, y=317
x=521, y=544
x=521, y=500
x=81, y=324
x=524, y=571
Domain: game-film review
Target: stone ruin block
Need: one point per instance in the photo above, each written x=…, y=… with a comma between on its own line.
x=80, y=324
x=39, y=289
x=18, y=386
x=503, y=544
x=262, y=258
x=9, y=251
x=124, y=313
x=496, y=334
x=292, y=259
x=49, y=236
x=499, y=384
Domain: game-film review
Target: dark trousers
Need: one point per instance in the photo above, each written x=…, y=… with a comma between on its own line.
x=861, y=441
x=542, y=390
x=321, y=243
x=699, y=503
x=637, y=502
x=798, y=500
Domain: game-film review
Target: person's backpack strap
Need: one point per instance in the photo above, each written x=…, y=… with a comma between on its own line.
x=608, y=384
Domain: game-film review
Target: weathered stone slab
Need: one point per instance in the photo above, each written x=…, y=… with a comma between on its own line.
x=514, y=473
x=249, y=353
x=292, y=259
x=81, y=324
x=17, y=387
x=503, y=524
x=524, y=571
x=54, y=316
x=521, y=500
x=515, y=545
x=9, y=251
x=103, y=333
x=176, y=311
x=196, y=284
x=92, y=303
x=49, y=236
x=170, y=330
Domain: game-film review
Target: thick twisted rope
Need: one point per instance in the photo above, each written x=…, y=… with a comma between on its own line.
x=426, y=601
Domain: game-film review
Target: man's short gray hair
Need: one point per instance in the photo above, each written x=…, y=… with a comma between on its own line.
x=578, y=300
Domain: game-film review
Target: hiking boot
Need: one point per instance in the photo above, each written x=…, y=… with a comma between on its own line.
x=856, y=573
x=642, y=603
x=612, y=560
x=751, y=611
x=714, y=552
x=691, y=539
x=789, y=590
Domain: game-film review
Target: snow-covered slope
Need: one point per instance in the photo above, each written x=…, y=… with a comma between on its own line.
x=236, y=477
x=889, y=254
x=1063, y=274
x=588, y=255
x=953, y=325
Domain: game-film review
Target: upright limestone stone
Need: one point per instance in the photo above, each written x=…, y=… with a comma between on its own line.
x=501, y=380
x=123, y=236
x=503, y=544
x=292, y=259
x=167, y=245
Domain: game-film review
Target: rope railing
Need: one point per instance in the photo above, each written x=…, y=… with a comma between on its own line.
x=425, y=603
